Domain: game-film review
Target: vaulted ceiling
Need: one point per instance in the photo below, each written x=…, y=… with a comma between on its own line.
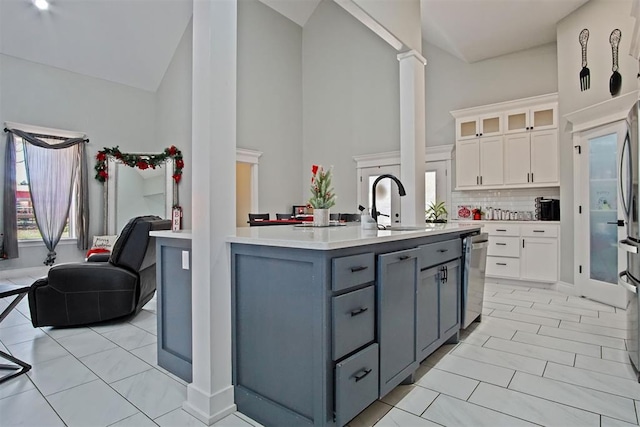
x=132, y=41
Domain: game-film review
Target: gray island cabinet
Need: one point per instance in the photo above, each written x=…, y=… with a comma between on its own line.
x=327, y=320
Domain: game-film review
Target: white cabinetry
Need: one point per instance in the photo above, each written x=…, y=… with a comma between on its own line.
x=539, y=254
x=508, y=145
x=537, y=117
x=531, y=157
x=523, y=251
x=478, y=161
x=476, y=126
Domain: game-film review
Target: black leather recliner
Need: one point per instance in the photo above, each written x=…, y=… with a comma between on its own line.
x=80, y=293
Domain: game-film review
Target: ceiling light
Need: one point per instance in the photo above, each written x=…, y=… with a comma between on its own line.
x=41, y=4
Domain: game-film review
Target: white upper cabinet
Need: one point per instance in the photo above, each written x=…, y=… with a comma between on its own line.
x=539, y=117
x=477, y=126
x=512, y=144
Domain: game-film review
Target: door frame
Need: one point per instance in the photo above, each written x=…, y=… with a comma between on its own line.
x=432, y=154
x=610, y=294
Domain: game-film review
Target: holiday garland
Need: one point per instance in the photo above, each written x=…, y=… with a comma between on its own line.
x=140, y=161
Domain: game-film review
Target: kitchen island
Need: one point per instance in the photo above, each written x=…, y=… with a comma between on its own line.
x=327, y=320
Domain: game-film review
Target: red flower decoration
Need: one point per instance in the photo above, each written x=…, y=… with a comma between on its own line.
x=101, y=157
x=314, y=169
x=142, y=165
x=179, y=163
x=172, y=150
x=177, y=177
x=103, y=174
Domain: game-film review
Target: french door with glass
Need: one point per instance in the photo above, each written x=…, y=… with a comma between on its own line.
x=600, y=221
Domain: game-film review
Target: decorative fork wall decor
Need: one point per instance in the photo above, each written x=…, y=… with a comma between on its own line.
x=585, y=75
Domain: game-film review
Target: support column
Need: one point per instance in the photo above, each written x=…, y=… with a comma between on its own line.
x=210, y=395
x=412, y=136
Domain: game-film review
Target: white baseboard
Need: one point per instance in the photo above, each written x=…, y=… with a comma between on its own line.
x=567, y=288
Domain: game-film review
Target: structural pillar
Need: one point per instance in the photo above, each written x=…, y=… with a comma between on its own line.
x=210, y=395
x=412, y=136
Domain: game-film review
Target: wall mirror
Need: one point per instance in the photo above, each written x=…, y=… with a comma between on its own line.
x=138, y=184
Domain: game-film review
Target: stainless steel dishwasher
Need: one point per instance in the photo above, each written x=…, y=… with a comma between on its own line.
x=474, y=258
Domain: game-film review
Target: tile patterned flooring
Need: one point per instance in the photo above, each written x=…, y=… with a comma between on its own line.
x=538, y=357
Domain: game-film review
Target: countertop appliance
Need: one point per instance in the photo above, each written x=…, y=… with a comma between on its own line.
x=628, y=187
x=474, y=253
x=547, y=209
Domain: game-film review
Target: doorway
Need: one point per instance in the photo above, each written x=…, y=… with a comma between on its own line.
x=387, y=197
x=436, y=183
x=601, y=223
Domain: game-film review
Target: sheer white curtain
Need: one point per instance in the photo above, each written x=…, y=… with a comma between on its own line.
x=51, y=175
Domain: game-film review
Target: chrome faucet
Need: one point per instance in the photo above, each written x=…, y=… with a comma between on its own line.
x=401, y=191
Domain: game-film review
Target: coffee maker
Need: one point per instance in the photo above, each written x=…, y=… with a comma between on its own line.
x=547, y=209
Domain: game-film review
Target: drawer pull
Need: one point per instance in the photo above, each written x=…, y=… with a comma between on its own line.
x=443, y=250
x=500, y=229
x=501, y=263
x=359, y=311
x=501, y=244
x=538, y=231
x=360, y=268
x=404, y=257
x=361, y=374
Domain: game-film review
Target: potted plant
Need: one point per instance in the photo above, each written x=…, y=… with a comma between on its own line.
x=436, y=212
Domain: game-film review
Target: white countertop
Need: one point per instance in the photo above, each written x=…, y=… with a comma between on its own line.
x=180, y=234
x=327, y=238
x=495, y=221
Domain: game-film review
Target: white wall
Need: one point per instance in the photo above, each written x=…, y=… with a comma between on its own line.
x=401, y=18
x=452, y=84
x=109, y=113
x=600, y=18
x=351, y=98
x=269, y=109
x=173, y=116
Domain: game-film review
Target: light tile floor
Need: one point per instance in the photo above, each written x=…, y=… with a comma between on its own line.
x=538, y=357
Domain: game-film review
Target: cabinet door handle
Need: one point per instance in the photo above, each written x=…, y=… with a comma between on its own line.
x=404, y=257
x=528, y=177
x=523, y=243
x=501, y=263
x=501, y=244
x=360, y=268
x=538, y=231
x=531, y=172
x=501, y=229
x=480, y=179
x=359, y=311
x=477, y=180
x=361, y=374
x=446, y=273
x=443, y=250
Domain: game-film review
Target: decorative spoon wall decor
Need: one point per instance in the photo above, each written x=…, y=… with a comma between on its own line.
x=615, y=82
x=585, y=76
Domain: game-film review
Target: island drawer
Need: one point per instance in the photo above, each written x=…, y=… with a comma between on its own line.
x=504, y=246
x=352, y=271
x=438, y=253
x=353, y=320
x=503, y=266
x=356, y=384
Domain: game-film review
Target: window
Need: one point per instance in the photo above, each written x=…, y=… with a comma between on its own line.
x=27, y=228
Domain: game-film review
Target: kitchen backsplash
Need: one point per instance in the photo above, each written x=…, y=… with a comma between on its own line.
x=519, y=200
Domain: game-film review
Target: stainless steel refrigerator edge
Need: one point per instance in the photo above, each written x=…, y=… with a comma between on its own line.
x=628, y=187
